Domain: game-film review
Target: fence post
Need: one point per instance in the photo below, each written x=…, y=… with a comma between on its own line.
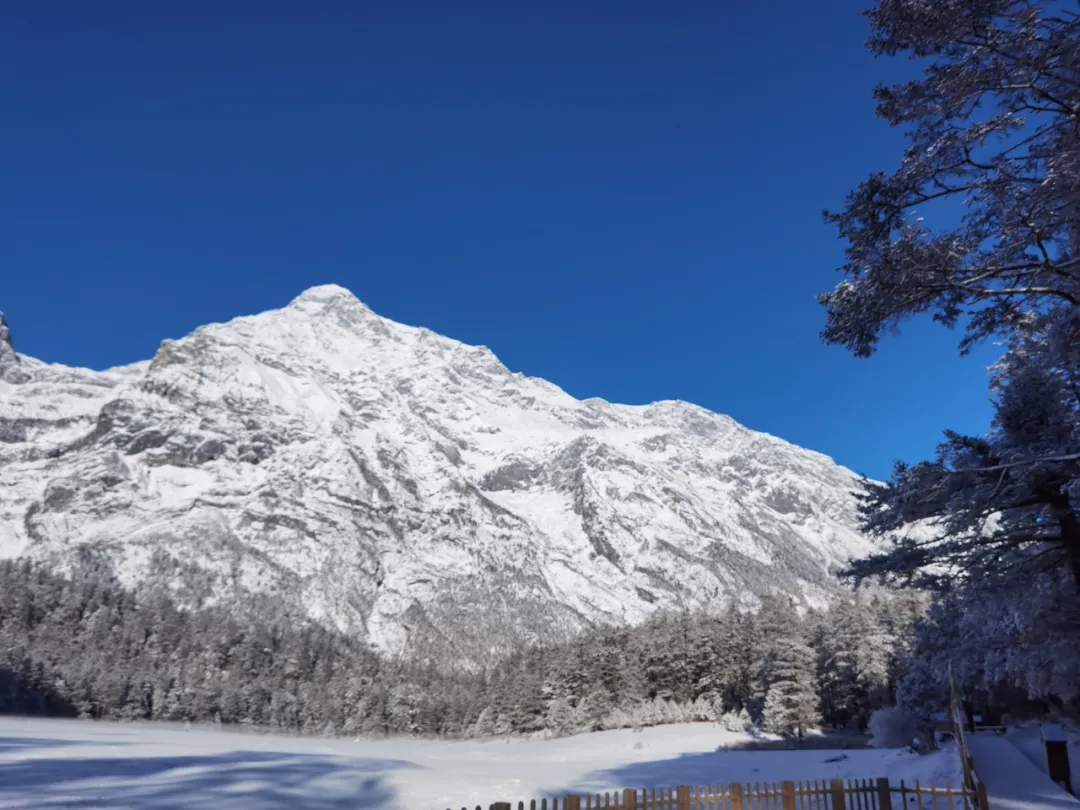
x=629, y=799
x=884, y=797
x=980, y=794
x=836, y=788
x=735, y=791
x=682, y=797
x=787, y=795
x=572, y=803
x=501, y=806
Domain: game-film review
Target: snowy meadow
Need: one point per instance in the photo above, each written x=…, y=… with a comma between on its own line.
x=85, y=764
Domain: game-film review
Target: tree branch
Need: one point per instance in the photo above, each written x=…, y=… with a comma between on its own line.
x=1014, y=464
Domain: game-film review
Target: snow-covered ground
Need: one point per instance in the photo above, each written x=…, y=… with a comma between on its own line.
x=1028, y=738
x=82, y=764
x=1012, y=782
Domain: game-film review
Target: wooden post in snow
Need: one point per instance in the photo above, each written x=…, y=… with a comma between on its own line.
x=836, y=788
x=884, y=796
x=1057, y=755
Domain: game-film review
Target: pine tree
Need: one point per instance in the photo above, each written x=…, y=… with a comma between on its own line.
x=872, y=660
x=791, y=702
x=595, y=708
x=562, y=718
x=484, y=725
x=775, y=623
x=837, y=672
x=994, y=125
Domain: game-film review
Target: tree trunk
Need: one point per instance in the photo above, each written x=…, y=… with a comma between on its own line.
x=969, y=714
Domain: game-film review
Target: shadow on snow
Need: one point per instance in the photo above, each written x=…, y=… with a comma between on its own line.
x=725, y=765
x=253, y=780
x=10, y=744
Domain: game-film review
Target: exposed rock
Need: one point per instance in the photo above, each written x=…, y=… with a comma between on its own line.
x=12, y=369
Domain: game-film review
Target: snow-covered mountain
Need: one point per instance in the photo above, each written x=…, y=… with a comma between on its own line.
x=402, y=485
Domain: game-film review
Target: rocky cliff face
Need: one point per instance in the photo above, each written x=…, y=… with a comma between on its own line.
x=402, y=485
x=11, y=365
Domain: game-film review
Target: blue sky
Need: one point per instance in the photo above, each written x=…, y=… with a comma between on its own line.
x=621, y=197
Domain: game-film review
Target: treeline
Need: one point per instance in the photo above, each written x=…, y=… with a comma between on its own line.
x=773, y=668
x=85, y=646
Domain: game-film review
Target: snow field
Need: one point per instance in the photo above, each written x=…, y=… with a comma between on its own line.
x=80, y=764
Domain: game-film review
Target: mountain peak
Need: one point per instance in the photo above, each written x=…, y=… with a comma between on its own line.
x=325, y=294
x=336, y=303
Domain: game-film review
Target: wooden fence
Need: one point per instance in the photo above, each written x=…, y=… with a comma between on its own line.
x=972, y=782
x=835, y=794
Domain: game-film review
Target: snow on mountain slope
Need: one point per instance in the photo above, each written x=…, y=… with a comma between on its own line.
x=404, y=486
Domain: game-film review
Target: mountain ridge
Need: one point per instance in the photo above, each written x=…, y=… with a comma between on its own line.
x=404, y=486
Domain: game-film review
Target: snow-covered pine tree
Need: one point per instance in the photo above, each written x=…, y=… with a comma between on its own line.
x=784, y=670
x=735, y=660
x=562, y=718
x=791, y=702
x=707, y=708
x=897, y=613
x=836, y=640
x=855, y=670
x=1023, y=636
x=995, y=123
x=873, y=658
x=1000, y=507
x=484, y=725
x=595, y=708
x=775, y=618
x=736, y=721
